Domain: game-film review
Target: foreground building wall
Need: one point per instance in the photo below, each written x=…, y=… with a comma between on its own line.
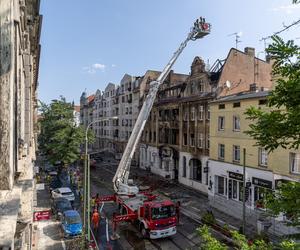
x=20, y=25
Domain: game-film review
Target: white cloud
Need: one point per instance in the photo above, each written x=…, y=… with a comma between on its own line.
x=113, y=65
x=98, y=66
x=288, y=9
x=94, y=68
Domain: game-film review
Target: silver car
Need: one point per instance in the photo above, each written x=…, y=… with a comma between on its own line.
x=63, y=192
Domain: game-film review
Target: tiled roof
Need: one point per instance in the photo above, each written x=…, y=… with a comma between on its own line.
x=91, y=98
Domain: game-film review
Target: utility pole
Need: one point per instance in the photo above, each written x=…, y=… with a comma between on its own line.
x=244, y=190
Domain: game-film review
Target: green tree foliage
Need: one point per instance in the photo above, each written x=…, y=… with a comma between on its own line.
x=286, y=200
x=60, y=139
x=208, y=241
x=240, y=242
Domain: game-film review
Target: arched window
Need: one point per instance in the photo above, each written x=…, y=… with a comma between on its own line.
x=184, y=166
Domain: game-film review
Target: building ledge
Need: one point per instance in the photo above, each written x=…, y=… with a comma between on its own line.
x=9, y=208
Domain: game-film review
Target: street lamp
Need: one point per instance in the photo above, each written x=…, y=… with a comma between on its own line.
x=86, y=195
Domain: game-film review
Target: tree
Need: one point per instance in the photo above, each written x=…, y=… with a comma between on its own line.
x=240, y=242
x=209, y=242
x=60, y=139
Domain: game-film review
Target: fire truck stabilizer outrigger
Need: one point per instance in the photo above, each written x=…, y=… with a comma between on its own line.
x=156, y=218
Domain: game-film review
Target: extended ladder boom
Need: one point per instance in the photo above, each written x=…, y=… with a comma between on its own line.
x=120, y=180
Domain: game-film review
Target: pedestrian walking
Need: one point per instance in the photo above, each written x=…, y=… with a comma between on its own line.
x=97, y=200
x=177, y=209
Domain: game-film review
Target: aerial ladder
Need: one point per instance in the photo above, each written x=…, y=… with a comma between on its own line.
x=121, y=182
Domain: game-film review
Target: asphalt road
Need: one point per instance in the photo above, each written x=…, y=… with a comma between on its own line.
x=186, y=237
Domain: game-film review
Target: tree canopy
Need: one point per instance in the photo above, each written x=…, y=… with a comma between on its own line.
x=60, y=138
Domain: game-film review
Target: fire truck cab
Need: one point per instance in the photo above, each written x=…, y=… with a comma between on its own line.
x=156, y=218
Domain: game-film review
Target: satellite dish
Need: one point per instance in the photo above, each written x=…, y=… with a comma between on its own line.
x=228, y=84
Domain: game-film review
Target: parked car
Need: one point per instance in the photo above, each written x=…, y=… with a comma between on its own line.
x=59, y=206
x=71, y=224
x=63, y=192
x=55, y=183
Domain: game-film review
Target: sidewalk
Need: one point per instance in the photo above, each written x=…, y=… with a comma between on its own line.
x=47, y=234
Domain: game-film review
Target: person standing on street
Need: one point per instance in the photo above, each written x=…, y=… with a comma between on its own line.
x=95, y=219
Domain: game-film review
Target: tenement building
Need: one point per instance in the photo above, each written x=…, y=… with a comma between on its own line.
x=86, y=109
x=20, y=24
x=231, y=148
x=176, y=138
x=126, y=103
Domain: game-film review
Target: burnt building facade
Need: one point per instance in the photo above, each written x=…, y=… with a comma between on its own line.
x=175, y=140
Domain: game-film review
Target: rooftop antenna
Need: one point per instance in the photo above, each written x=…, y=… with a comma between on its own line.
x=264, y=39
x=237, y=36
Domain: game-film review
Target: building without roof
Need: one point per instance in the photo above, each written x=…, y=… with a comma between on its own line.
x=20, y=25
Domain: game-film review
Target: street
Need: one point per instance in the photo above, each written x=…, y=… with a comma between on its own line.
x=130, y=237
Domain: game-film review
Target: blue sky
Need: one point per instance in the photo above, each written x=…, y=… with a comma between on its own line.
x=87, y=44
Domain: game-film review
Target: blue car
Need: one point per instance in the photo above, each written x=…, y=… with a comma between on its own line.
x=71, y=224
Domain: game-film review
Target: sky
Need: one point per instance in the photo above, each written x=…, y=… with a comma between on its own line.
x=88, y=43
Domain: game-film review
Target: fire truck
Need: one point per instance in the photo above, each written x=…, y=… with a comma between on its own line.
x=155, y=217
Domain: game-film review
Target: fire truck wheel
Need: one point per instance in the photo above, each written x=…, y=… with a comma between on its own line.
x=144, y=231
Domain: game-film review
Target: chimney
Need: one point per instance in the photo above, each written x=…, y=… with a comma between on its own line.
x=250, y=51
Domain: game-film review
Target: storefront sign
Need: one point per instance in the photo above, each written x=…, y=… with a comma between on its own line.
x=235, y=176
x=262, y=183
x=42, y=215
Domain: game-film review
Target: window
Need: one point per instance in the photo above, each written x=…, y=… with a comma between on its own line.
x=220, y=185
x=222, y=106
x=185, y=117
x=184, y=139
x=221, y=151
x=236, y=153
x=192, y=140
x=263, y=157
x=196, y=167
x=193, y=114
x=207, y=142
x=208, y=113
x=200, y=140
x=235, y=190
x=259, y=196
x=184, y=166
x=221, y=123
x=236, y=104
x=201, y=87
x=262, y=102
x=236, y=123
x=200, y=112
x=295, y=163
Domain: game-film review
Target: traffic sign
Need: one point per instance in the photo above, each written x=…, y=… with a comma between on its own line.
x=42, y=215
